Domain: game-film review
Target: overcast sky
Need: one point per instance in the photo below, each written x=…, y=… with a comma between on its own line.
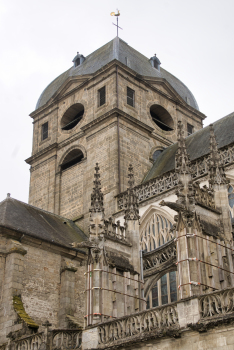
x=39, y=39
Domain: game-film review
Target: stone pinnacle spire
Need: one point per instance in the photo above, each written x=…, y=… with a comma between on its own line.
x=97, y=195
x=185, y=192
x=216, y=170
x=182, y=157
x=131, y=205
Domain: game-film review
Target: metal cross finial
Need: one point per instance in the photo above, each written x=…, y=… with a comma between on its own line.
x=117, y=25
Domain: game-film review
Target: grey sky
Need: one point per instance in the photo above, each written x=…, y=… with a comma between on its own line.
x=39, y=39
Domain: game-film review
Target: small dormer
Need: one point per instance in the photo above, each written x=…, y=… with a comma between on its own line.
x=155, y=62
x=78, y=59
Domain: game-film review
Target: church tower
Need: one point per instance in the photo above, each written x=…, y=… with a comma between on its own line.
x=113, y=107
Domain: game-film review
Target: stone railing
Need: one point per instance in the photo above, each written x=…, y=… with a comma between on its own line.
x=151, y=188
x=160, y=255
x=60, y=339
x=169, y=180
x=115, y=230
x=29, y=342
x=125, y=327
x=66, y=339
x=218, y=303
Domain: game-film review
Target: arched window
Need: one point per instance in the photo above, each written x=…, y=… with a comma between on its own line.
x=155, y=232
x=73, y=158
x=231, y=200
x=164, y=291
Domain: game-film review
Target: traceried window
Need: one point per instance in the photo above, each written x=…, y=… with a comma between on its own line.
x=44, y=131
x=102, y=96
x=231, y=200
x=155, y=232
x=130, y=97
x=164, y=291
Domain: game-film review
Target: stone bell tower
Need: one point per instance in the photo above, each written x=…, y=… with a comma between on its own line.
x=115, y=107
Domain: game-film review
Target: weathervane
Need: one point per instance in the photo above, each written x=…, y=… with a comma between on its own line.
x=117, y=25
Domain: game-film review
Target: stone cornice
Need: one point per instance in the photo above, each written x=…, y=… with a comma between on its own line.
x=41, y=153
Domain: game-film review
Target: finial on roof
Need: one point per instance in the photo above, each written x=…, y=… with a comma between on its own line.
x=216, y=170
x=8, y=195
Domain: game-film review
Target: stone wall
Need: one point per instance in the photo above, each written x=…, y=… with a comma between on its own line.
x=35, y=274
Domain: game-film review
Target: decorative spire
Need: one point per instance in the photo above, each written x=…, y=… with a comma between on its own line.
x=216, y=170
x=97, y=195
x=131, y=180
x=185, y=192
x=181, y=157
x=131, y=205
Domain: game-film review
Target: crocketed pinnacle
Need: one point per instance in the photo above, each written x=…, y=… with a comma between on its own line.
x=97, y=195
x=181, y=157
x=131, y=180
x=216, y=170
x=131, y=205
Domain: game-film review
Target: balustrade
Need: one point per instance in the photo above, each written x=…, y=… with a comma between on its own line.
x=128, y=326
x=66, y=339
x=217, y=303
x=169, y=180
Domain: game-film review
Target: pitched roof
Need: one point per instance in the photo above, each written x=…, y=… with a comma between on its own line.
x=39, y=223
x=197, y=146
x=119, y=50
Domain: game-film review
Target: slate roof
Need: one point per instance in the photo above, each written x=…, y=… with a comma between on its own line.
x=119, y=50
x=197, y=146
x=39, y=223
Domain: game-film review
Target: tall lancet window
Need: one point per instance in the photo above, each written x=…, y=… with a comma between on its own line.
x=155, y=233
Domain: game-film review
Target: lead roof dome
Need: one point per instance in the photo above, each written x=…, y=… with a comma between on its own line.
x=119, y=50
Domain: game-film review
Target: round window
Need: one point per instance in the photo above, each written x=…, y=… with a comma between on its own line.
x=72, y=116
x=162, y=118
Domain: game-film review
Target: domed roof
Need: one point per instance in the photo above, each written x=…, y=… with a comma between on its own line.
x=119, y=50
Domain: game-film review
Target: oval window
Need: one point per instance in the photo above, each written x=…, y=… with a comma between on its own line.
x=72, y=116
x=162, y=118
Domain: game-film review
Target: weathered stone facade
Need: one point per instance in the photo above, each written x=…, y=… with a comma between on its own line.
x=128, y=240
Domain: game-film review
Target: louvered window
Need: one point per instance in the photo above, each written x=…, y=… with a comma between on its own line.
x=44, y=131
x=102, y=96
x=130, y=97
